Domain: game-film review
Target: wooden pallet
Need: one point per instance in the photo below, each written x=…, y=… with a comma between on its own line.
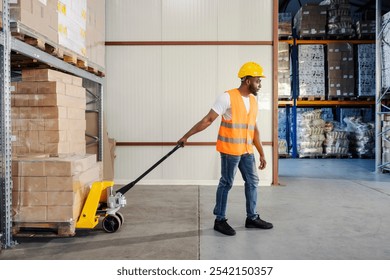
x=43, y=229
x=23, y=33
x=311, y=98
x=284, y=156
x=342, y=98
x=340, y=37
x=284, y=98
x=366, y=36
x=312, y=37
x=366, y=98
x=338, y=156
x=285, y=37
x=311, y=156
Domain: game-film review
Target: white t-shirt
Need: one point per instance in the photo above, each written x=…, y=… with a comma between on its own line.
x=222, y=105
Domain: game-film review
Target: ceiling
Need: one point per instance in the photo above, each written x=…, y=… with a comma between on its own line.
x=292, y=6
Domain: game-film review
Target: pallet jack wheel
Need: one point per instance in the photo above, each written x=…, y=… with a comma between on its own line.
x=111, y=223
x=121, y=217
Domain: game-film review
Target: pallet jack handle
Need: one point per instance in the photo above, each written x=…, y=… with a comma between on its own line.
x=127, y=187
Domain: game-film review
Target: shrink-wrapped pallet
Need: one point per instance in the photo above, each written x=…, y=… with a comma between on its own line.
x=311, y=72
x=310, y=133
x=366, y=70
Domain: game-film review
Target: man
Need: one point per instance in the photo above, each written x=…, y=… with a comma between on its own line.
x=237, y=135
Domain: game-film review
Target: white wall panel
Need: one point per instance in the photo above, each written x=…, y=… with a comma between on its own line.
x=249, y=20
x=190, y=20
x=189, y=88
x=133, y=20
x=157, y=93
x=133, y=93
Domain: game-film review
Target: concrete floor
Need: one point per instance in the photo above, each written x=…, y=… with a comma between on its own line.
x=326, y=209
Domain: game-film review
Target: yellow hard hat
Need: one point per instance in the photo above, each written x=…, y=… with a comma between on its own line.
x=251, y=69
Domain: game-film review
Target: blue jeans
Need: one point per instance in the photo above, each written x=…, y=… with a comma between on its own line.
x=247, y=166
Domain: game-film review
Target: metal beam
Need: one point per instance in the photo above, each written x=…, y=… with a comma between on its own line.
x=33, y=52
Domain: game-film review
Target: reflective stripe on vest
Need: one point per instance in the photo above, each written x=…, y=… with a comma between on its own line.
x=235, y=136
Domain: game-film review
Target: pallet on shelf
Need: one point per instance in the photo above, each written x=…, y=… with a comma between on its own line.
x=44, y=229
x=310, y=98
x=342, y=98
x=25, y=34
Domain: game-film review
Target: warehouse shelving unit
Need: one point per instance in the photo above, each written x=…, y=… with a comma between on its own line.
x=294, y=103
x=382, y=108
x=92, y=82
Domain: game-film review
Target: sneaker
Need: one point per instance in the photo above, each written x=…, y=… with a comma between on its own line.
x=223, y=227
x=257, y=223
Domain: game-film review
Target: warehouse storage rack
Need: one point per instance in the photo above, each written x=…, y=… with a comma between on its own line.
x=92, y=82
x=380, y=103
x=382, y=108
x=295, y=102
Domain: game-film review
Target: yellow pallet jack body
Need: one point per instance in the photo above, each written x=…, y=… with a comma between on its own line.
x=94, y=208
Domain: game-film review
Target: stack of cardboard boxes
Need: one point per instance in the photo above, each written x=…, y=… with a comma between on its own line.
x=366, y=84
x=386, y=51
x=340, y=20
x=311, y=59
x=341, y=70
x=310, y=21
x=285, y=25
x=76, y=26
x=51, y=171
x=284, y=81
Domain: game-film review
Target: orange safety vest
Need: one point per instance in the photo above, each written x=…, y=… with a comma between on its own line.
x=235, y=136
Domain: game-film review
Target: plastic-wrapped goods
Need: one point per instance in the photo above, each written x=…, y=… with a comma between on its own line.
x=336, y=139
x=282, y=147
x=284, y=26
x=284, y=80
x=341, y=74
x=386, y=142
x=310, y=133
x=311, y=59
x=366, y=70
x=386, y=51
x=310, y=21
x=340, y=19
x=361, y=136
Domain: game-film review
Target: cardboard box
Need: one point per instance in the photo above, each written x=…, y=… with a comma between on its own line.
x=78, y=26
x=37, y=15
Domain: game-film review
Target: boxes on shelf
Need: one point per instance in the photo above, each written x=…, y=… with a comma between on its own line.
x=95, y=33
x=365, y=29
x=72, y=25
x=341, y=74
x=48, y=113
x=38, y=16
x=386, y=143
x=285, y=25
x=366, y=85
x=310, y=21
x=339, y=22
x=311, y=64
x=75, y=26
x=284, y=81
x=386, y=51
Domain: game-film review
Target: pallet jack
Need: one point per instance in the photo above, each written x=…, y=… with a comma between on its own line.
x=101, y=202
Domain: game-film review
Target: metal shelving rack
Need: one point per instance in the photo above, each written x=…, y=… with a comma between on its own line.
x=8, y=44
x=292, y=105
x=5, y=131
x=382, y=110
